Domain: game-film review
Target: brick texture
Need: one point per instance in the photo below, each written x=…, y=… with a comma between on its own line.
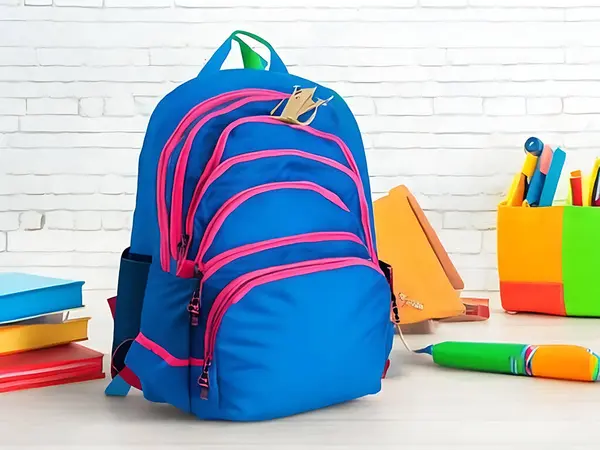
x=445, y=93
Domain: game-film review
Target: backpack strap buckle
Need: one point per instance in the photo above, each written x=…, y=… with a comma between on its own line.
x=299, y=103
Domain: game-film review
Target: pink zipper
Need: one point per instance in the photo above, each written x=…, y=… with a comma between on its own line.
x=163, y=354
x=245, y=157
x=239, y=287
x=215, y=159
x=193, y=114
x=228, y=256
x=182, y=160
x=168, y=149
x=230, y=205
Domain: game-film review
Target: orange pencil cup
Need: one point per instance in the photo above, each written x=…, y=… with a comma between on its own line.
x=548, y=260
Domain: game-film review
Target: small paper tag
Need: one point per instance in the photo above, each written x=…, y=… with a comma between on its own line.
x=476, y=309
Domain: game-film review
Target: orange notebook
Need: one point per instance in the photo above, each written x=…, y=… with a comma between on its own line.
x=426, y=283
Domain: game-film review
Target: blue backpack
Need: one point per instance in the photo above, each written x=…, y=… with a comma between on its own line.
x=251, y=289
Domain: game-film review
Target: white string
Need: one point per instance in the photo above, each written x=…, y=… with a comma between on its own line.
x=403, y=339
x=406, y=302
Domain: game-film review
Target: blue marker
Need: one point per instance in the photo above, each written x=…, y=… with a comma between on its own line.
x=534, y=146
x=552, y=178
x=536, y=183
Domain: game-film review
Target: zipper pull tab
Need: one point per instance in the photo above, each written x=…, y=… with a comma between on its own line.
x=182, y=246
x=194, y=307
x=197, y=272
x=395, y=311
x=203, y=381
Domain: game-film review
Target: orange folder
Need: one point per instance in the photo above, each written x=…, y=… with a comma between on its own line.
x=426, y=283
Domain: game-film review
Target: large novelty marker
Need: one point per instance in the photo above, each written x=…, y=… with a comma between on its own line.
x=565, y=362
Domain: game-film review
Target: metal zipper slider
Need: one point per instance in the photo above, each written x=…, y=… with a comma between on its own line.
x=183, y=243
x=203, y=381
x=194, y=307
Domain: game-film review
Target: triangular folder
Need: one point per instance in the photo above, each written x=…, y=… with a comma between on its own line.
x=425, y=282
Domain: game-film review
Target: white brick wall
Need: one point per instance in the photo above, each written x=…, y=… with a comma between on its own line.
x=445, y=91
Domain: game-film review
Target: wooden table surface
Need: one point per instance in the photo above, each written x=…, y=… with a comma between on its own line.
x=421, y=406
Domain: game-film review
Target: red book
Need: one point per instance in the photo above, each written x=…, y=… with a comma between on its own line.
x=45, y=367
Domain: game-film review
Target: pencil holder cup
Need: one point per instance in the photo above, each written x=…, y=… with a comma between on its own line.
x=548, y=260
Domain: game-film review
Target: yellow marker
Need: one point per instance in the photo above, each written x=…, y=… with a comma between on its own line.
x=589, y=186
x=585, y=185
x=511, y=191
x=529, y=165
x=516, y=193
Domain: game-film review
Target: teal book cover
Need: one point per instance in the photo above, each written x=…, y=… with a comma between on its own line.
x=24, y=295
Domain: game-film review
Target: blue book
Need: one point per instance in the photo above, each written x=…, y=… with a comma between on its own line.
x=25, y=295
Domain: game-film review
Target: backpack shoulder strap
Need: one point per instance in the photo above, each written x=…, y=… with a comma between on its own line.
x=126, y=310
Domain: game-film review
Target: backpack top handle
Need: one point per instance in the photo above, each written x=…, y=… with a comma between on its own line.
x=252, y=60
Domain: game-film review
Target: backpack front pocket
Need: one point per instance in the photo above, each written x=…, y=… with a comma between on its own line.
x=328, y=138
x=248, y=170
x=286, y=208
x=273, y=346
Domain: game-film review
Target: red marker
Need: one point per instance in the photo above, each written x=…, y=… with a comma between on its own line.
x=576, y=193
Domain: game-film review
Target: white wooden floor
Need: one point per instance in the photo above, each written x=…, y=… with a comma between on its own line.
x=421, y=406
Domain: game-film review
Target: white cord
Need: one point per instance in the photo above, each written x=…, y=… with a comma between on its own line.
x=403, y=339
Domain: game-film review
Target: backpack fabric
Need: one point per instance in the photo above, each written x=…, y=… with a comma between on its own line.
x=251, y=289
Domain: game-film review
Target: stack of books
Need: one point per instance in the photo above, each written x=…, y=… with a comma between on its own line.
x=38, y=342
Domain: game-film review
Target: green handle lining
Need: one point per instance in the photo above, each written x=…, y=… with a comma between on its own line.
x=251, y=59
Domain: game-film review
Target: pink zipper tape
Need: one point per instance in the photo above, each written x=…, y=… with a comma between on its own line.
x=220, y=148
x=230, y=205
x=168, y=149
x=171, y=144
x=182, y=161
x=245, y=157
x=163, y=354
x=228, y=256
